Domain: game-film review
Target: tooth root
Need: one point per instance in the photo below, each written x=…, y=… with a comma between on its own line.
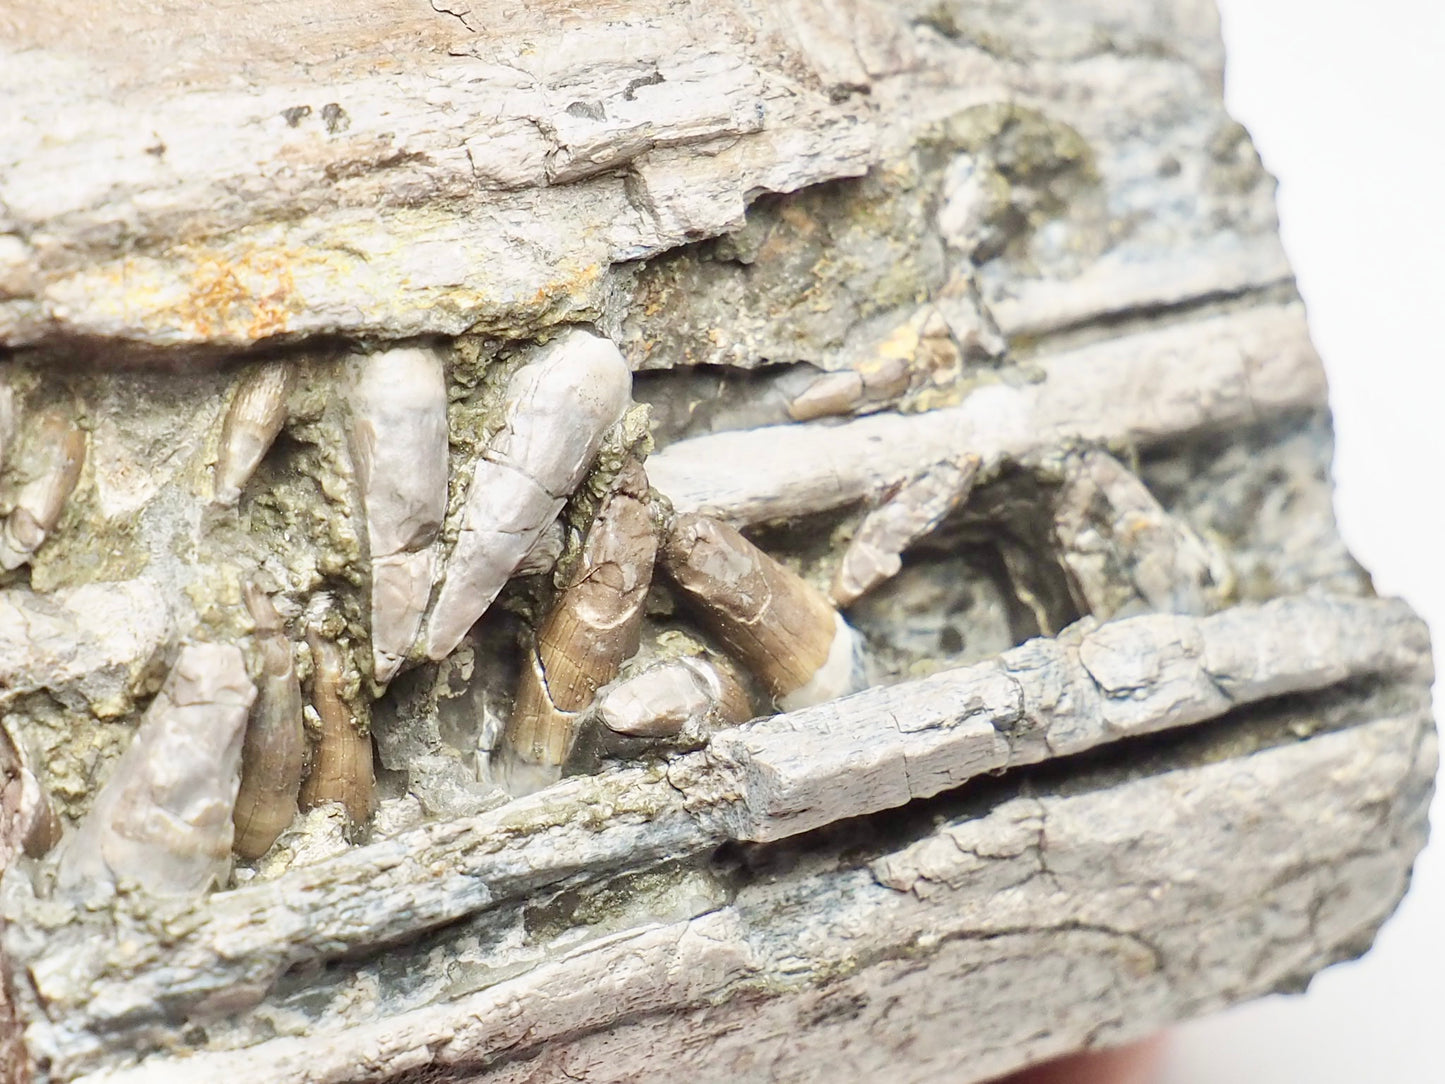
x=698, y=690
x=274, y=749
x=776, y=624
x=163, y=818
x=559, y=406
x=254, y=418
x=53, y=457
x=342, y=770
x=919, y=505
x=582, y=644
x=398, y=408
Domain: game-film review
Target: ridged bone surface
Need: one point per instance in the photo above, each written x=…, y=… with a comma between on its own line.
x=399, y=446
x=274, y=749
x=585, y=639
x=163, y=818
x=558, y=408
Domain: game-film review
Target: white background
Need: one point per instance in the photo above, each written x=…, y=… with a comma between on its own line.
x=1346, y=102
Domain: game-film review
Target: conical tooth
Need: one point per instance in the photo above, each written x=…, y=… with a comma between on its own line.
x=777, y=624
x=163, y=818
x=559, y=406
x=275, y=745
x=52, y=459
x=399, y=445
x=9, y=418
x=256, y=414
x=32, y=823
x=342, y=770
x=585, y=639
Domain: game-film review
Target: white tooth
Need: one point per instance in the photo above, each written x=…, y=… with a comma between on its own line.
x=399, y=445
x=256, y=414
x=51, y=461
x=559, y=406
x=163, y=818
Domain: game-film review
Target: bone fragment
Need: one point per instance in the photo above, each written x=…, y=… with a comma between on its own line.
x=767, y=780
x=254, y=418
x=275, y=744
x=1255, y=364
x=399, y=445
x=558, y=407
x=1123, y=552
x=581, y=645
x=163, y=818
x=905, y=516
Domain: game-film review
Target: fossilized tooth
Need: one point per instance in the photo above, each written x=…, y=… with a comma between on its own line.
x=34, y=824
x=275, y=745
x=700, y=690
x=915, y=509
x=590, y=632
x=399, y=446
x=1123, y=551
x=777, y=624
x=342, y=770
x=256, y=414
x=163, y=818
x=52, y=459
x=9, y=418
x=558, y=407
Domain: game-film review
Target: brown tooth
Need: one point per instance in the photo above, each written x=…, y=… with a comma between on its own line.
x=275, y=745
x=778, y=625
x=342, y=770
x=55, y=456
x=256, y=414
x=919, y=505
x=34, y=824
x=583, y=642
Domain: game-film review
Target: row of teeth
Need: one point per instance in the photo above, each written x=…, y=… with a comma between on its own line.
x=220, y=761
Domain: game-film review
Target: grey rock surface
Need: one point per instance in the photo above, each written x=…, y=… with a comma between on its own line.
x=971, y=313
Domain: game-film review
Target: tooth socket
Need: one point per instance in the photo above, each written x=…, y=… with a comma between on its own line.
x=590, y=632
x=774, y=622
x=254, y=418
x=273, y=753
x=342, y=769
